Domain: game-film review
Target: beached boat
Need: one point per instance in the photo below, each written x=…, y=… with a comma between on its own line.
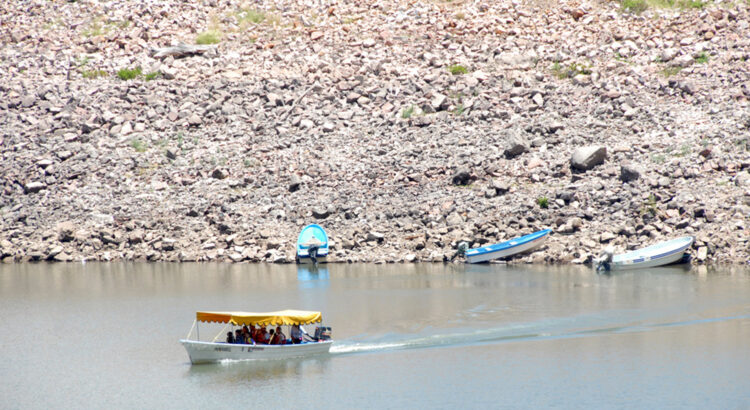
x=507, y=248
x=312, y=245
x=215, y=350
x=663, y=253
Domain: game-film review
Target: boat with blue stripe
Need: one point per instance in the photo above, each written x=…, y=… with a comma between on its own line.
x=660, y=254
x=507, y=248
x=312, y=245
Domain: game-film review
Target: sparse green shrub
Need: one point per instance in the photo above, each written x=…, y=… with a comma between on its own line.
x=649, y=206
x=457, y=69
x=543, y=202
x=153, y=75
x=743, y=144
x=557, y=70
x=639, y=6
x=129, y=74
x=91, y=74
x=459, y=109
x=692, y=4
x=702, y=58
x=82, y=60
x=572, y=70
x=684, y=151
x=95, y=28
x=670, y=71
x=250, y=16
x=208, y=37
x=634, y=6
x=100, y=25
x=138, y=145
x=407, y=112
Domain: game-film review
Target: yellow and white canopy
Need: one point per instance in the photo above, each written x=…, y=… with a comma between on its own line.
x=282, y=317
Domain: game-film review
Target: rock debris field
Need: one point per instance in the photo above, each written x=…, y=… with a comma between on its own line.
x=402, y=128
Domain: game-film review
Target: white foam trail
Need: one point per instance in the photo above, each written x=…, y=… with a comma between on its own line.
x=363, y=347
x=476, y=336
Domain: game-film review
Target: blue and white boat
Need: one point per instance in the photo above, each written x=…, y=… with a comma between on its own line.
x=312, y=245
x=663, y=253
x=507, y=248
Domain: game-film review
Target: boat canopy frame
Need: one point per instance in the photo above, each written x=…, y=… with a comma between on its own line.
x=278, y=318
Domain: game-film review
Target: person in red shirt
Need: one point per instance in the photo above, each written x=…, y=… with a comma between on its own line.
x=260, y=336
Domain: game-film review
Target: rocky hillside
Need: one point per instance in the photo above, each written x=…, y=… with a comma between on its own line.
x=401, y=127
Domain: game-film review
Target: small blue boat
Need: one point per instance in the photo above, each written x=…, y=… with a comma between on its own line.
x=507, y=248
x=312, y=245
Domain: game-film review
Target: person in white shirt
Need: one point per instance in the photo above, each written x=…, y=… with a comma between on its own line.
x=297, y=334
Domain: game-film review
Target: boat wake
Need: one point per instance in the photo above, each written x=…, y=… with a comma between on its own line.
x=435, y=340
x=561, y=328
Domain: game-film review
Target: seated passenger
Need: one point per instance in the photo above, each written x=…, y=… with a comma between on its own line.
x=230, y=337
x=274, y=340
x=238, y=339
x=260, y=335
x=266, y=335
x=296, y=334
x=280, y=335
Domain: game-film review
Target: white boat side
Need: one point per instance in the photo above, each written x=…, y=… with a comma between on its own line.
x=663, y=253
x=515, y=246
x=208, y=352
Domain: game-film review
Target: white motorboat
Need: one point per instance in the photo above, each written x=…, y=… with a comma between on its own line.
x=215, y=350
x=660, y=254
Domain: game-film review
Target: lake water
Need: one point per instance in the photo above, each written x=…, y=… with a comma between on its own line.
x=407, y=336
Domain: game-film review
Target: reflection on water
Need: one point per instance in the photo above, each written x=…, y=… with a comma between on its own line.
x=312, y=276
x=683, y=268
x=233, y=371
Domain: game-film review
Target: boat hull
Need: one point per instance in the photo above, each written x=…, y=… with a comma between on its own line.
x=312, y=234
x=508, y=248
x=307, y=260
x=661, y=254
x=209, y=352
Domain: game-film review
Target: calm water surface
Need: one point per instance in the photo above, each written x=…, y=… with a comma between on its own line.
x=416, y=336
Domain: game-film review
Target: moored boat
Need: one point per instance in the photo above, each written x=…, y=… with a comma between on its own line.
x=507, y=248
x=214, y=350
x=660, y=254
x=312, y=245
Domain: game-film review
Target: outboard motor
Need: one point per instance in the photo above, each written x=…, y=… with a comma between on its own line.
x=605, y=259
x=322, y=333
x=313, y=252
x=460, y=250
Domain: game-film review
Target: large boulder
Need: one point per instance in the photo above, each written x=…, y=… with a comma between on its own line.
x=742, y=179
x=630, y=172
x=65, y=231
x=585, y=158
x=516, y=145
x=462, y=177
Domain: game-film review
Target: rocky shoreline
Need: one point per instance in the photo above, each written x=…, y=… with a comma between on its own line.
x=401, y=129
